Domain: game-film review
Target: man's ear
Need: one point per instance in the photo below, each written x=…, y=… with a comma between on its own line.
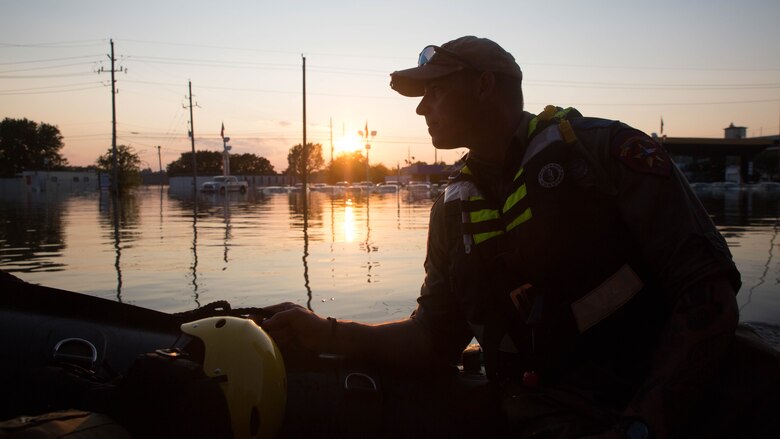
x=487, y=85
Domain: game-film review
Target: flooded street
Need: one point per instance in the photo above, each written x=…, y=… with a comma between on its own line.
x=357, y=258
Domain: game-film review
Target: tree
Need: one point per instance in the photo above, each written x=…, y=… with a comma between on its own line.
x=379, y=172
x=295, y=160
x=208, y=162
x=350, y=166
x=250, y=164
x=26, y=145
x=128, y=163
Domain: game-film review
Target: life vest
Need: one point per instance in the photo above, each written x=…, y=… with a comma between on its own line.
x=547, y=274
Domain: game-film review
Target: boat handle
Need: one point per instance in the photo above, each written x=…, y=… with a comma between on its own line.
x=359, y=381
x=65, y=356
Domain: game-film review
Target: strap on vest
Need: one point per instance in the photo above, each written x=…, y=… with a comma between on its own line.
x=550, y=115
x=607, y=298
x=567, y=132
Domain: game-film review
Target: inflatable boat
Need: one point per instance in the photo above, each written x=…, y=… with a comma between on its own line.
x=62, y=350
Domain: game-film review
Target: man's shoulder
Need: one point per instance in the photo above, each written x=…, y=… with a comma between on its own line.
x=621, y=143
x=594, y=123
x=610, y=128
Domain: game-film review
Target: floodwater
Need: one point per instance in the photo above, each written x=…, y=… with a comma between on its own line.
x=357, y=258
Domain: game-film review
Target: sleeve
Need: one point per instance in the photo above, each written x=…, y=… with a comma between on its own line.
x=677, y=240
x=437, y=307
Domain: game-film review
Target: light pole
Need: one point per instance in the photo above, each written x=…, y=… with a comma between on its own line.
x=365, y=135
x=225, y=152
x=226, y=156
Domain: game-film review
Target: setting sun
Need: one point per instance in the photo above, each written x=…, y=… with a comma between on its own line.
x=348, y=143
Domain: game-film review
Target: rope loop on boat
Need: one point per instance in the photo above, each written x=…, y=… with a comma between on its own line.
x=222, y=308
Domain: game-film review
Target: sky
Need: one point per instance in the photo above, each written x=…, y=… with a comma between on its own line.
x=697, y=65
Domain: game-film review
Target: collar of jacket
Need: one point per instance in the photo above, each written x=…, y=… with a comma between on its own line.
x=514, y=152
x=490, y=178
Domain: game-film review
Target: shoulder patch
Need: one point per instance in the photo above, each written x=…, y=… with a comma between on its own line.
x=640, y=153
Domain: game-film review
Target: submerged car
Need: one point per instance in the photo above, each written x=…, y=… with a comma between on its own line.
x=225, y=183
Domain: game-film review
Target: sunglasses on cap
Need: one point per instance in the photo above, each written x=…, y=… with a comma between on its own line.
x=429, y=51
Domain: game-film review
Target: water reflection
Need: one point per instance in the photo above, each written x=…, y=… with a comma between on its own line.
x=174, y=252
x=117, y=248
x=162, y=218
x=226, y=221
x=740, y=207
x=34, y=243
x=194, y=264
x=349, y=222
x=749, y=220
x=767, y=266
x=119, y=219
x=368, y=245
x=306, y=262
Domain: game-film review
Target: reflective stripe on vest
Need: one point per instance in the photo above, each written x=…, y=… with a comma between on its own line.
x=480, y=221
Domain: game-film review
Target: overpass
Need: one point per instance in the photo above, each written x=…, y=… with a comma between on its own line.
x=717, y=150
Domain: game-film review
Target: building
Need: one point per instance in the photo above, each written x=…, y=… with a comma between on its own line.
x=733, y=132
x=59, y=181
x=711, y=159
x=425, y=173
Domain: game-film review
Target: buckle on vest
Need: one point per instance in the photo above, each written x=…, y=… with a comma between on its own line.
x=528, y=303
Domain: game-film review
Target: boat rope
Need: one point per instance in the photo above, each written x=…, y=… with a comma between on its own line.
x=222, y=308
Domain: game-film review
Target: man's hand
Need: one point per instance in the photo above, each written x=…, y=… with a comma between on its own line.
x=688, y=358
x=404, y=343
x=296, y=327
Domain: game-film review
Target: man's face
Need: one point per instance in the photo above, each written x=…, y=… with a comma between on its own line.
x=450, y=107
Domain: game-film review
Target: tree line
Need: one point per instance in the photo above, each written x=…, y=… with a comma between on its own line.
x=26, y=146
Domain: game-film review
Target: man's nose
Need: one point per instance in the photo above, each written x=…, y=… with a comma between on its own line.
x=422, y=107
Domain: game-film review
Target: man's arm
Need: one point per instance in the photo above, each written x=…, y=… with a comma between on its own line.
x=408, y=343
x=700, y=331
x=404, y=343
x=689, y=260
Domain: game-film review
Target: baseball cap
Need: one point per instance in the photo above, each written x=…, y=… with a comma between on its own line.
x=464, y=53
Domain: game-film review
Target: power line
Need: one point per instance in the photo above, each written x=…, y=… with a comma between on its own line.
x=376, y=56
x=32, y=69
x=61, y=75
x=83, y=43
x=652, y=86
x=655, y=67
x=12, y=92
x=661, y=104
x=248, y=49
x=35, y=61
x=50, y=87
x=57, y=45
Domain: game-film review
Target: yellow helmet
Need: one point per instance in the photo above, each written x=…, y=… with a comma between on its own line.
x=250, y=369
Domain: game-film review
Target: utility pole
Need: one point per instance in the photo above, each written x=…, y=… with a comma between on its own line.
x=305, y=149
x=305, y=160
x=331, y=142
x=114, y=91
x=192, y=142
x=159, y=159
